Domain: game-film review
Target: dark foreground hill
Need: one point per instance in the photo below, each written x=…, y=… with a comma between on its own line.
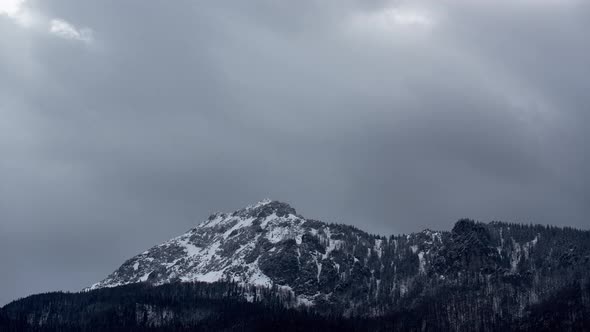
x=221, y=307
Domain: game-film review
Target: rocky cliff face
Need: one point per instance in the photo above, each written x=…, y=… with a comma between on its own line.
x=500, y=267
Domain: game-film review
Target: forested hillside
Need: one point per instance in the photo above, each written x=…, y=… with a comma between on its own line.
x=221, y=307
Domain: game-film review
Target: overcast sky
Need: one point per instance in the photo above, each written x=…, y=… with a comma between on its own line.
x=124, y=123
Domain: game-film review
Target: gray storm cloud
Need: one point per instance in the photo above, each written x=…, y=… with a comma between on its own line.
x=123, y=125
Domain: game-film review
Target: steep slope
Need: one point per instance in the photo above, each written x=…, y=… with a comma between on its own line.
x=225, y=245
x=503, y=268
x=264, y=244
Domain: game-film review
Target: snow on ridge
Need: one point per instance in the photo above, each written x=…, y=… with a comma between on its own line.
x=211, y=276
x=243, y=222
x=422, y=262
x=145, y=276
x=521, y=250
x=333, y=244
x=279, y=233
x=263, y=202
x=269, y=218
x=377, y=247
x=257, y=277
x=189, y=248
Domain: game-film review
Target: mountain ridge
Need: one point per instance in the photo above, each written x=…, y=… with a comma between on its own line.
x=327, y=266
x=265, y=267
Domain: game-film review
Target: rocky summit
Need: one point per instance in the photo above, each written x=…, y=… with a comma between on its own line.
x=335, y=268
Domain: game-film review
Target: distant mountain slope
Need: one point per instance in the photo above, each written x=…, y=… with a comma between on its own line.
x=497, y=267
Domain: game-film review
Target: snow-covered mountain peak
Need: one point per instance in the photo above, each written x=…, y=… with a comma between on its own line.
x=225, y=246
x=260, y=214
x=260, y=203
x=267, y=207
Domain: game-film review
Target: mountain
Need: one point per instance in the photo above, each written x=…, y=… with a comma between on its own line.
x=475, y=277
x=341, y=269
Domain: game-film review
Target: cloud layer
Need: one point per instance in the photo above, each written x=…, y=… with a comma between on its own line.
x=22, y=14
x=391, y=116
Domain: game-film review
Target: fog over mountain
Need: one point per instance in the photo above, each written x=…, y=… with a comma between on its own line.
x=125, y=124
